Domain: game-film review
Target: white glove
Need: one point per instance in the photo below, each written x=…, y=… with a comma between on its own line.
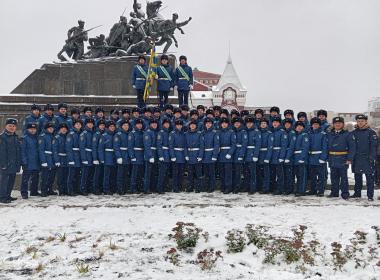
x=133, y=159
x=228, y=156
x=175, y=87
x=119, y=161
x=301, y=161
x=85, y=162
x=171, y=88
x=173, y=159
x=134, y=86
x=71, y=163
x=151, y=160
x=96, y=162
x=161, y=159
x=240, y=158
x=287, y=161
x=266, y=161
x=44, y=164
x=57, y=164
x=199, y=159
x=191, y=87
x=255, y=159
x=321, y=161
x=187, y=158
x=213, y=159
x=281, y=160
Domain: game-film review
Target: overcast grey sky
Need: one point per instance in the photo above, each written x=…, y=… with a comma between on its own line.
x=303, y=54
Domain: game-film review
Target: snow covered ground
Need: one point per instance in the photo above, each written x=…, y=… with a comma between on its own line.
x=127, y=237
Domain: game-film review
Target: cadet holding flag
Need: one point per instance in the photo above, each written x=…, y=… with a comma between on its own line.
x=139, y=77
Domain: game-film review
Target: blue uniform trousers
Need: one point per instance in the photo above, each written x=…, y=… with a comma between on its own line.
x=137, y=177
x=87, y=177
x=47, y=180
x=150, y=175
x=278, y=178
x=317, y=178
x=31, y=176
x=73, y=180
x=163, y=168
x=250, y=180
x=236, y=179
x=97, y=185
x=359, y=184
x=123, y=176
x=195, y=174
x=209, y=173
x=301, y=176
x=7, y=182
x=178, y=170
x=62, y=179
x=109, y=179
x=339, y=181
x=288, y=179
x=225, y=176
x=183, y=97
x=263, y=177
x=164, y=98
x=140, y=98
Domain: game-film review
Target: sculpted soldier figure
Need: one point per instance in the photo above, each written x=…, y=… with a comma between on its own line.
x=137, y=8
x=98, y=47
x=117, y=31
x=74, y=46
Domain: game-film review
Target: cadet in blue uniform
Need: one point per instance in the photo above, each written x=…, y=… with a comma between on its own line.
x=46, y=141
x=227, y=141
x=341, y=147
x=302, y=117
x=97, y=186
x=177, y=145
x=263, y=176
x=252, y=155
x=288, y=161
x=238, y=158
x=85, y=146
x=289, y=114
x=194, y=155
x=259, y=114
x=166, y=79
x=322, y=115
x=135, y=116
x=301, y=153
x=30, y=161
x=274, y=113
x=280, y=143
x=183, y=80
x=73, y=158
x=99, y=115
x=139, y=76
x=60, y=158
x=120, y=145
x=147, y=116
x=33, y=117
x=150, y=156
x=107, y=158
x=10, y=160
x=317, y=157
x=61, y=116
x=211, y=152
x=136, y=154
x=74, y=115
x=87, y=114
x=48, y=116
x=125, y=112
x=163, y=154
x=365, y=156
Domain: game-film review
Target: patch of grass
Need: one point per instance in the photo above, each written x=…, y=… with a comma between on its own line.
x=39, y=268
x=31, y=250
x=113, y=246
x=50, y=239
x=83, y=268
x=62, y=237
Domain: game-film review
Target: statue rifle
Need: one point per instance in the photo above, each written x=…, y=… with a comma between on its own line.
x=80, y=34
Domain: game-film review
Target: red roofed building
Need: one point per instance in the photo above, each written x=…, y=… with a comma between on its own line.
x=204, y=81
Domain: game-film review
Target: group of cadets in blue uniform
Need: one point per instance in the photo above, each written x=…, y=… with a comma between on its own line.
x=139, y=150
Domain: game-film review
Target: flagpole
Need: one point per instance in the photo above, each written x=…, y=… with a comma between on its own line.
x=148, y=84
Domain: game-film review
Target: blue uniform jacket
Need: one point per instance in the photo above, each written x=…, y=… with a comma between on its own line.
x=211, y=145
x=105, y=149
x=59, y=149
x=365, y=155
x=241, y=144
x=227, y=141
x=150, y=144
x=60, y=119
x=342, y=141
x=301, y=148
x=164, y=83
x=45, y=147
x=280, y=143
x=318, y=146
x=266, y=146
x=289, y=157
x=120, y=145
x=181, y=82
x=163, y=145
x=95, y=143
x=325, y=126
x=10, y=153
x=194, y=146
x=138, y=79
x=253, y=144
x=72, y=148
x=30, y=158
x=30, y=119
x=177, y=145
x=85, y=146
x=44, y=119
x=136, y=146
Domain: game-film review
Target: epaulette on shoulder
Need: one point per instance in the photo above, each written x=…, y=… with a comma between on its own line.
x=71, y=132
x=118, y=133
x=42, y=134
